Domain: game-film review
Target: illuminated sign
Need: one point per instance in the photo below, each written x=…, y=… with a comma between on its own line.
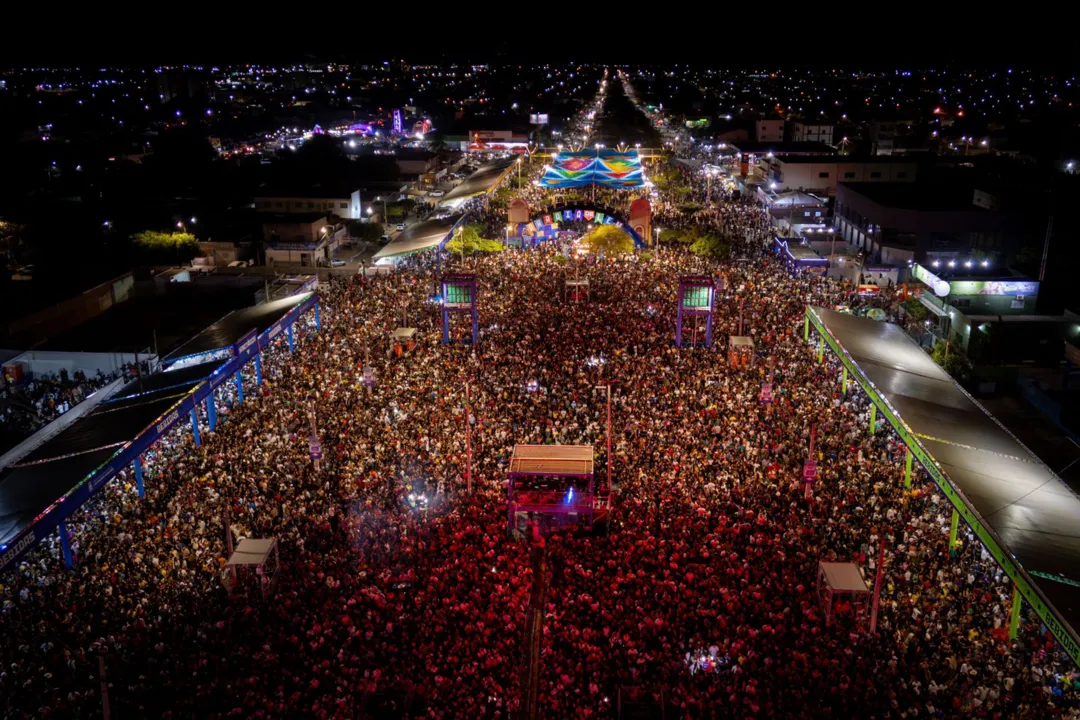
x=1000, y=288
x=538, y=119
x=939, y=286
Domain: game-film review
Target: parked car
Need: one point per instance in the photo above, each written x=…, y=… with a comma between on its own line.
x=337, y=263
x=400, y=227
x=437, y=193
x=384, y=239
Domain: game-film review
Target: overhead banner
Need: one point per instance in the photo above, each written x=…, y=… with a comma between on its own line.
x=608, y=168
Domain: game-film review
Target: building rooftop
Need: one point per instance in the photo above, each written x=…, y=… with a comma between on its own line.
x=941, y=197
x=847, y=159
x=1024, y=514
x=783, y=148
x=552, y=460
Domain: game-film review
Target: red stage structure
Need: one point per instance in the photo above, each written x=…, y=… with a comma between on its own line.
x=554, y=485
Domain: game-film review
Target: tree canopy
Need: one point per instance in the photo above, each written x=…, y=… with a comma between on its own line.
x=711, y=246
x=159, y=248
x=609, y=240
x=956, y=363
x=468, y=241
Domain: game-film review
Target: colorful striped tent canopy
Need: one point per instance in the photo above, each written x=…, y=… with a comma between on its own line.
x=609, y=168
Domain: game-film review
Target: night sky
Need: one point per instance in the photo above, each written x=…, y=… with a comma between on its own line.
x=781, y=39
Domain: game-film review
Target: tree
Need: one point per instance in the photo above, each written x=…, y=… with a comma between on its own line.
x=956, y=363
x=681, y=237
x=12, y=238
x=609, y=240
x=159, y=248
x=915, y=309
x=711, y=246
x=468, y=242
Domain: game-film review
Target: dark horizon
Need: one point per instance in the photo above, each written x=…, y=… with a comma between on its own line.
x=130, y=43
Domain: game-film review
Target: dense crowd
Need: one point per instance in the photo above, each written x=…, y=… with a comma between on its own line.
x=400, y=593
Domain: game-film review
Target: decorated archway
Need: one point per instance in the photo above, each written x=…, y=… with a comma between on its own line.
x=547, y=224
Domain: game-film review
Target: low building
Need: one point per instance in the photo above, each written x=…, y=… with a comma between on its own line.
x=305, y=240
x=991, y=316
x=220, y=254
x=325, y=199
x=416, y=162
x=821, y=173
x=976, y=287
x=897, y=222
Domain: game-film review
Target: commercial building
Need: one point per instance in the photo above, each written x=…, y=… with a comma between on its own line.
x=324, y=199
x=821, y=173
x=989, y=315
x=746, y=155
x=897, y=222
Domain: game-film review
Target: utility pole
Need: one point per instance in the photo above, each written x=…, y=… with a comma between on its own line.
x=609, y=457
x=468, y=440
x=1046, y=241
x=877, y=586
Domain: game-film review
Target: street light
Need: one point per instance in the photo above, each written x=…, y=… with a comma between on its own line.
x=192, y=219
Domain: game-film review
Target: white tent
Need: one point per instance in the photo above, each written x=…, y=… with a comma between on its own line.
x=253, y=558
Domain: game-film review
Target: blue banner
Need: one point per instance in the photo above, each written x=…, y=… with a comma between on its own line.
x=246, y=346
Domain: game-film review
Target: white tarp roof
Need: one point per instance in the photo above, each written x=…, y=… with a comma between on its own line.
x=421, y=236
x=252, y=551
x=844, y=577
